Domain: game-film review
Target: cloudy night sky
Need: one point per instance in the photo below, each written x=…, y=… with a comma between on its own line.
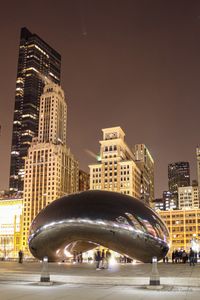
x=128, y=63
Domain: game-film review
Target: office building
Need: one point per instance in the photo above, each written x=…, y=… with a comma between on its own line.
x=116, y=169
x=169, y=200
x=145, y=163
x=37, y=63
x=188, y=197
x=158, y=204
x=183, y=226
x=84, y=181
x=178, y=176
x=51, y=170
x=10, y=226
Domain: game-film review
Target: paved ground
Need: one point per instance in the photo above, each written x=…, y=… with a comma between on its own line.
x=84, y=282
x=94, y=292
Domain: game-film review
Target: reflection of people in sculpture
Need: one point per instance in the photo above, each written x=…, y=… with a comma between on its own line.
x=20, y=254
x=98, y=258
x=108, y=255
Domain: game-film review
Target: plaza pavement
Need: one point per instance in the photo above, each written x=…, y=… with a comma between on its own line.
x=84, y=282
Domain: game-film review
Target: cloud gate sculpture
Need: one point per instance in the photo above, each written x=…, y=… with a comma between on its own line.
x=80, y=222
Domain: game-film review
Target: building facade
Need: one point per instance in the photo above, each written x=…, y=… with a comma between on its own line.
x=178, y=176
x=37, y=62
x=116, y=169
x=145, y=163
x=169, y=200
x=183, y=226
x=10, y=227
x=158, y=204
x=188, y=197
x=198, y=168
x=84, y=181
x=51, y=170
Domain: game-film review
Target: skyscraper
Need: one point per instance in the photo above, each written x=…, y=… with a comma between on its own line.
x=145, y=163
x=51, y=170
x=198, y=164
x=36, y=62
x=178, y=175
x=115, y=170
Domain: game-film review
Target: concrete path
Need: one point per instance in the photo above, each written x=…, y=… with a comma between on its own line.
x=94, y=292
x=84, y=282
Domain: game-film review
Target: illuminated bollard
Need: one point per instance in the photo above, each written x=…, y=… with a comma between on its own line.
x=45, y=277
x=154, y=277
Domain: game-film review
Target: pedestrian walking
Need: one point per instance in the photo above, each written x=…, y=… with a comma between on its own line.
x=191, y=257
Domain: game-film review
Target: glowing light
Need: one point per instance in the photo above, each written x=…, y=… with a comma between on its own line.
x=67, y=253
x=112, y=261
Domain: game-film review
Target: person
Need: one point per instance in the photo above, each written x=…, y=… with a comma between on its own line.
x=98, y=259
x=103, y=260
x=173, y=256
x=81, y=257
x=176, y=256
x=191, y=257
x=20, y=254
x=108, y=255
x=74, y=256
x=184, y=257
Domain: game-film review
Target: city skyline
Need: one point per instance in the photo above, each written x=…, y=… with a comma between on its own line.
x=133, y=65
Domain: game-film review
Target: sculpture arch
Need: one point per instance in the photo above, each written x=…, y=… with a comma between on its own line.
x=80, y=222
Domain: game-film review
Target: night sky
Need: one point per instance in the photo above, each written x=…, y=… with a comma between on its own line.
x=134, y=64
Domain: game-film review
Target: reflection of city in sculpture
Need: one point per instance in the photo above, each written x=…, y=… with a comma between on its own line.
x=80, y=222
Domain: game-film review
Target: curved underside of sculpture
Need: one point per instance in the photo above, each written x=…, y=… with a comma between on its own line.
x=80, y=222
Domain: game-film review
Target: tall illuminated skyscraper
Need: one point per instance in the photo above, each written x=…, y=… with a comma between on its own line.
x=36, y=61
x=51, y=170
x=115, y=170
x=145, y=163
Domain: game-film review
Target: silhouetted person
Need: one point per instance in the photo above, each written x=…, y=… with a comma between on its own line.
x=74, y=256
x=184, y=257
x=176, y=256
x=98, y=258
x=81, y=257
x=108, y=256
x=103, y=259
x=173, y=257
x=20, y=254
x=191, y=257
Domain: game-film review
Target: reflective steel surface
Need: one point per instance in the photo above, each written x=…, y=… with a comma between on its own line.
x=80, y=222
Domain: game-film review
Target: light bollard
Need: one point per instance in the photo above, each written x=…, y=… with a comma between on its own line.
x=45, y=277
x=154, y=277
